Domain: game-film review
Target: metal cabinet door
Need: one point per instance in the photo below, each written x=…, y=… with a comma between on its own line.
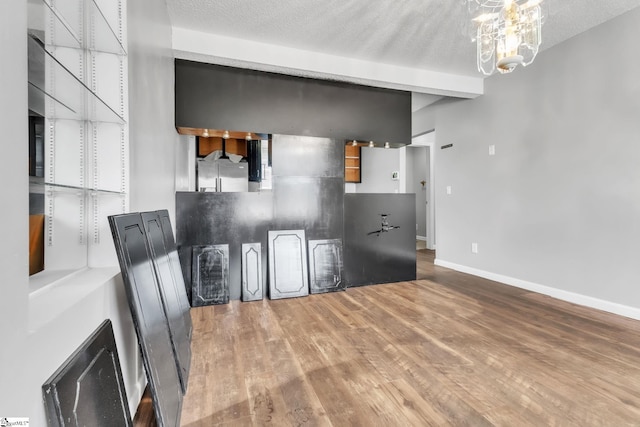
x=252, y=272
x=210, y=275
x=173, y=295
x=325, y=266
x=287, y=264
x=88, y=389
x=149, y=319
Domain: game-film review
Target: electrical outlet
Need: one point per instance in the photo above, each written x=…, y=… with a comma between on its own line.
x=474, y=248
x=492, y=150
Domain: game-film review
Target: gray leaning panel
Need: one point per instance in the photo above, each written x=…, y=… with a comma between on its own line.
x=88, y=390
x=174, y=264
x=287, y=264
x=173, y=296
x=210, y=276
x=145, y=303
x=252, y=283
x=325, y=266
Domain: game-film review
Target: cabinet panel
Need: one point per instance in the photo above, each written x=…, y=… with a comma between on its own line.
x=176, y=269
x=325, y=266
x=148, y=315
x=252, y=284
x=88, y=388
x=172, y=296
x=210, y=276
x=287, y=264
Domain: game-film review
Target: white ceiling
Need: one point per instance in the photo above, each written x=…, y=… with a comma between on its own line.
x=419, y=34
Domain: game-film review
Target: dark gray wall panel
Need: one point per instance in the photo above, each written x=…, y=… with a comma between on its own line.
x=219, y=97
x=311, y=204
x=88, y=389
x=233, y=218
x=287, y=264
x=148, y=315
x=389, y=256
x=326, y=269
x=210, y=276
x=174, y=296
x=252, y=278
x=304, y=197
x=307, y=156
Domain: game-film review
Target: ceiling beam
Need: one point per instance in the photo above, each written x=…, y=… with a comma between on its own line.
x=221, y=50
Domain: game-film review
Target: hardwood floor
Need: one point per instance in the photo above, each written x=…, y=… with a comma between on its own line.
x=446, y=349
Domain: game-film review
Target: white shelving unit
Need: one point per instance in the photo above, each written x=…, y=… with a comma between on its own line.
x=78, y=83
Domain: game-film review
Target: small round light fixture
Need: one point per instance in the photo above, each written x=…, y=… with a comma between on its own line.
x=386, y=145
x=225, y=134
x=371, y=144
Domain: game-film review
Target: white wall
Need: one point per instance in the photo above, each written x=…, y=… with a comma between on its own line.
x=152, y=134
x=376, y=167
x=61, y=316
x=186, y=163
x=39, y=331
x=557, y=209
x=14, y=213
x=423, y=120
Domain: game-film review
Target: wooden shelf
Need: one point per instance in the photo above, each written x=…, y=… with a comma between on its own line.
x=352, y=163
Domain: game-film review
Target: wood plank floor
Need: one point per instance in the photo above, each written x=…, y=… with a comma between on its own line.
x=446, y=349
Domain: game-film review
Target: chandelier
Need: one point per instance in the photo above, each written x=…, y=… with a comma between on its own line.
x=507, y=33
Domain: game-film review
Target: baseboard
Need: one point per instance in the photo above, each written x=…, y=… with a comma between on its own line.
x=587, y=301
x=422, y=238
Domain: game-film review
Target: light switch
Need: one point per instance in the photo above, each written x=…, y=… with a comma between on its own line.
x=492, y=150
x=448, y=189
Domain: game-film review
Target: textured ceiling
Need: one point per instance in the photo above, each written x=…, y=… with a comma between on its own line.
x=424, y=34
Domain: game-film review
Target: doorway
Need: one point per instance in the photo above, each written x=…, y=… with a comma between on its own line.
x=421, y=180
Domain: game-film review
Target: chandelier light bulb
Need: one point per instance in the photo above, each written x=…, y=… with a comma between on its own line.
x=371, y=144
x=354, y=143
x=248, y=137
x=225, y=134
x=206, y=133
x=386, y=145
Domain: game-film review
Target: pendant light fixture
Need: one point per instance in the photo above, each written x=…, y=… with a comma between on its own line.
x=508, y=33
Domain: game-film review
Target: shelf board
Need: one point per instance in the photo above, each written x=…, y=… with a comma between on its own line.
x=38, y=185
x=102, y=38
x=69, y=98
